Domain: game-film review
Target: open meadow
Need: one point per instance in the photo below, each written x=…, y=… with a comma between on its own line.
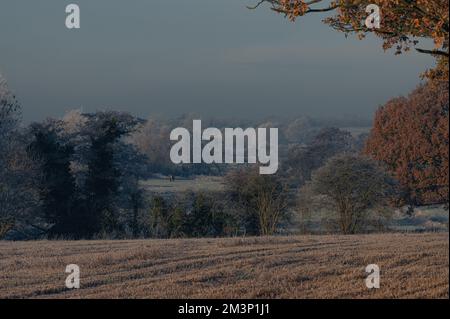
x=412, y=266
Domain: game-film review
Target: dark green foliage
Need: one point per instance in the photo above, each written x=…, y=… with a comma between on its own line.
x=206, y=217
x=197, y=215
x=58, y=191
x=92, y=205
x=103, y=177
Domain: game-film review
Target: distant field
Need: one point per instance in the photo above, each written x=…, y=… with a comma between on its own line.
x=199, y=184
x=412, y=265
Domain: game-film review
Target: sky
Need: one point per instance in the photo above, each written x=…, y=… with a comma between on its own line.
x=208, y=57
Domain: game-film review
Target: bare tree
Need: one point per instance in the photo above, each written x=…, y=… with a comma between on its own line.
x=303, y=160
x=152, y=139
x=261, y=199
x=353, y=187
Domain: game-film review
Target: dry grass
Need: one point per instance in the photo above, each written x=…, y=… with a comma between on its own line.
x=412, y=266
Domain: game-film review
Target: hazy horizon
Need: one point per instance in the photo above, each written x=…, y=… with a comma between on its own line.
x=213, y=58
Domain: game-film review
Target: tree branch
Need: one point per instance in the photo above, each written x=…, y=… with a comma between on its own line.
x=256, y=5
x=433, y=52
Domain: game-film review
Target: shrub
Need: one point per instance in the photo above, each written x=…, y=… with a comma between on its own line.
x=354, y=187
x=262, y=201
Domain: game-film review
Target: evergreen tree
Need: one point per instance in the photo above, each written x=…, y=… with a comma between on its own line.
x=58, y=191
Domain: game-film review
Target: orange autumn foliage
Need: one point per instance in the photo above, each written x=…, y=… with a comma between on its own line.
x=411, y=136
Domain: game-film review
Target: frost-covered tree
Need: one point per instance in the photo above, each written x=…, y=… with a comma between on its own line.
x=356, y=188
x=17, y=171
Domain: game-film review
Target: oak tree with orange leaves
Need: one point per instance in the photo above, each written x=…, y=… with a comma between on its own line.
x=411, y=136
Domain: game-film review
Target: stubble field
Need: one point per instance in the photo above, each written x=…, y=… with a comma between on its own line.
x=412, y=266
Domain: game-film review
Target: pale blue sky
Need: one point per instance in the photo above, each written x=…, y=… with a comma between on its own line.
x=210, y=57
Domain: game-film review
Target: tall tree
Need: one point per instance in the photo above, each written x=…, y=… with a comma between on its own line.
x=8, y=121
x=102, y=186
x=57, y=189
x=411, y=136
x=152, y=139
x=18, y=198
x=9, y=110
